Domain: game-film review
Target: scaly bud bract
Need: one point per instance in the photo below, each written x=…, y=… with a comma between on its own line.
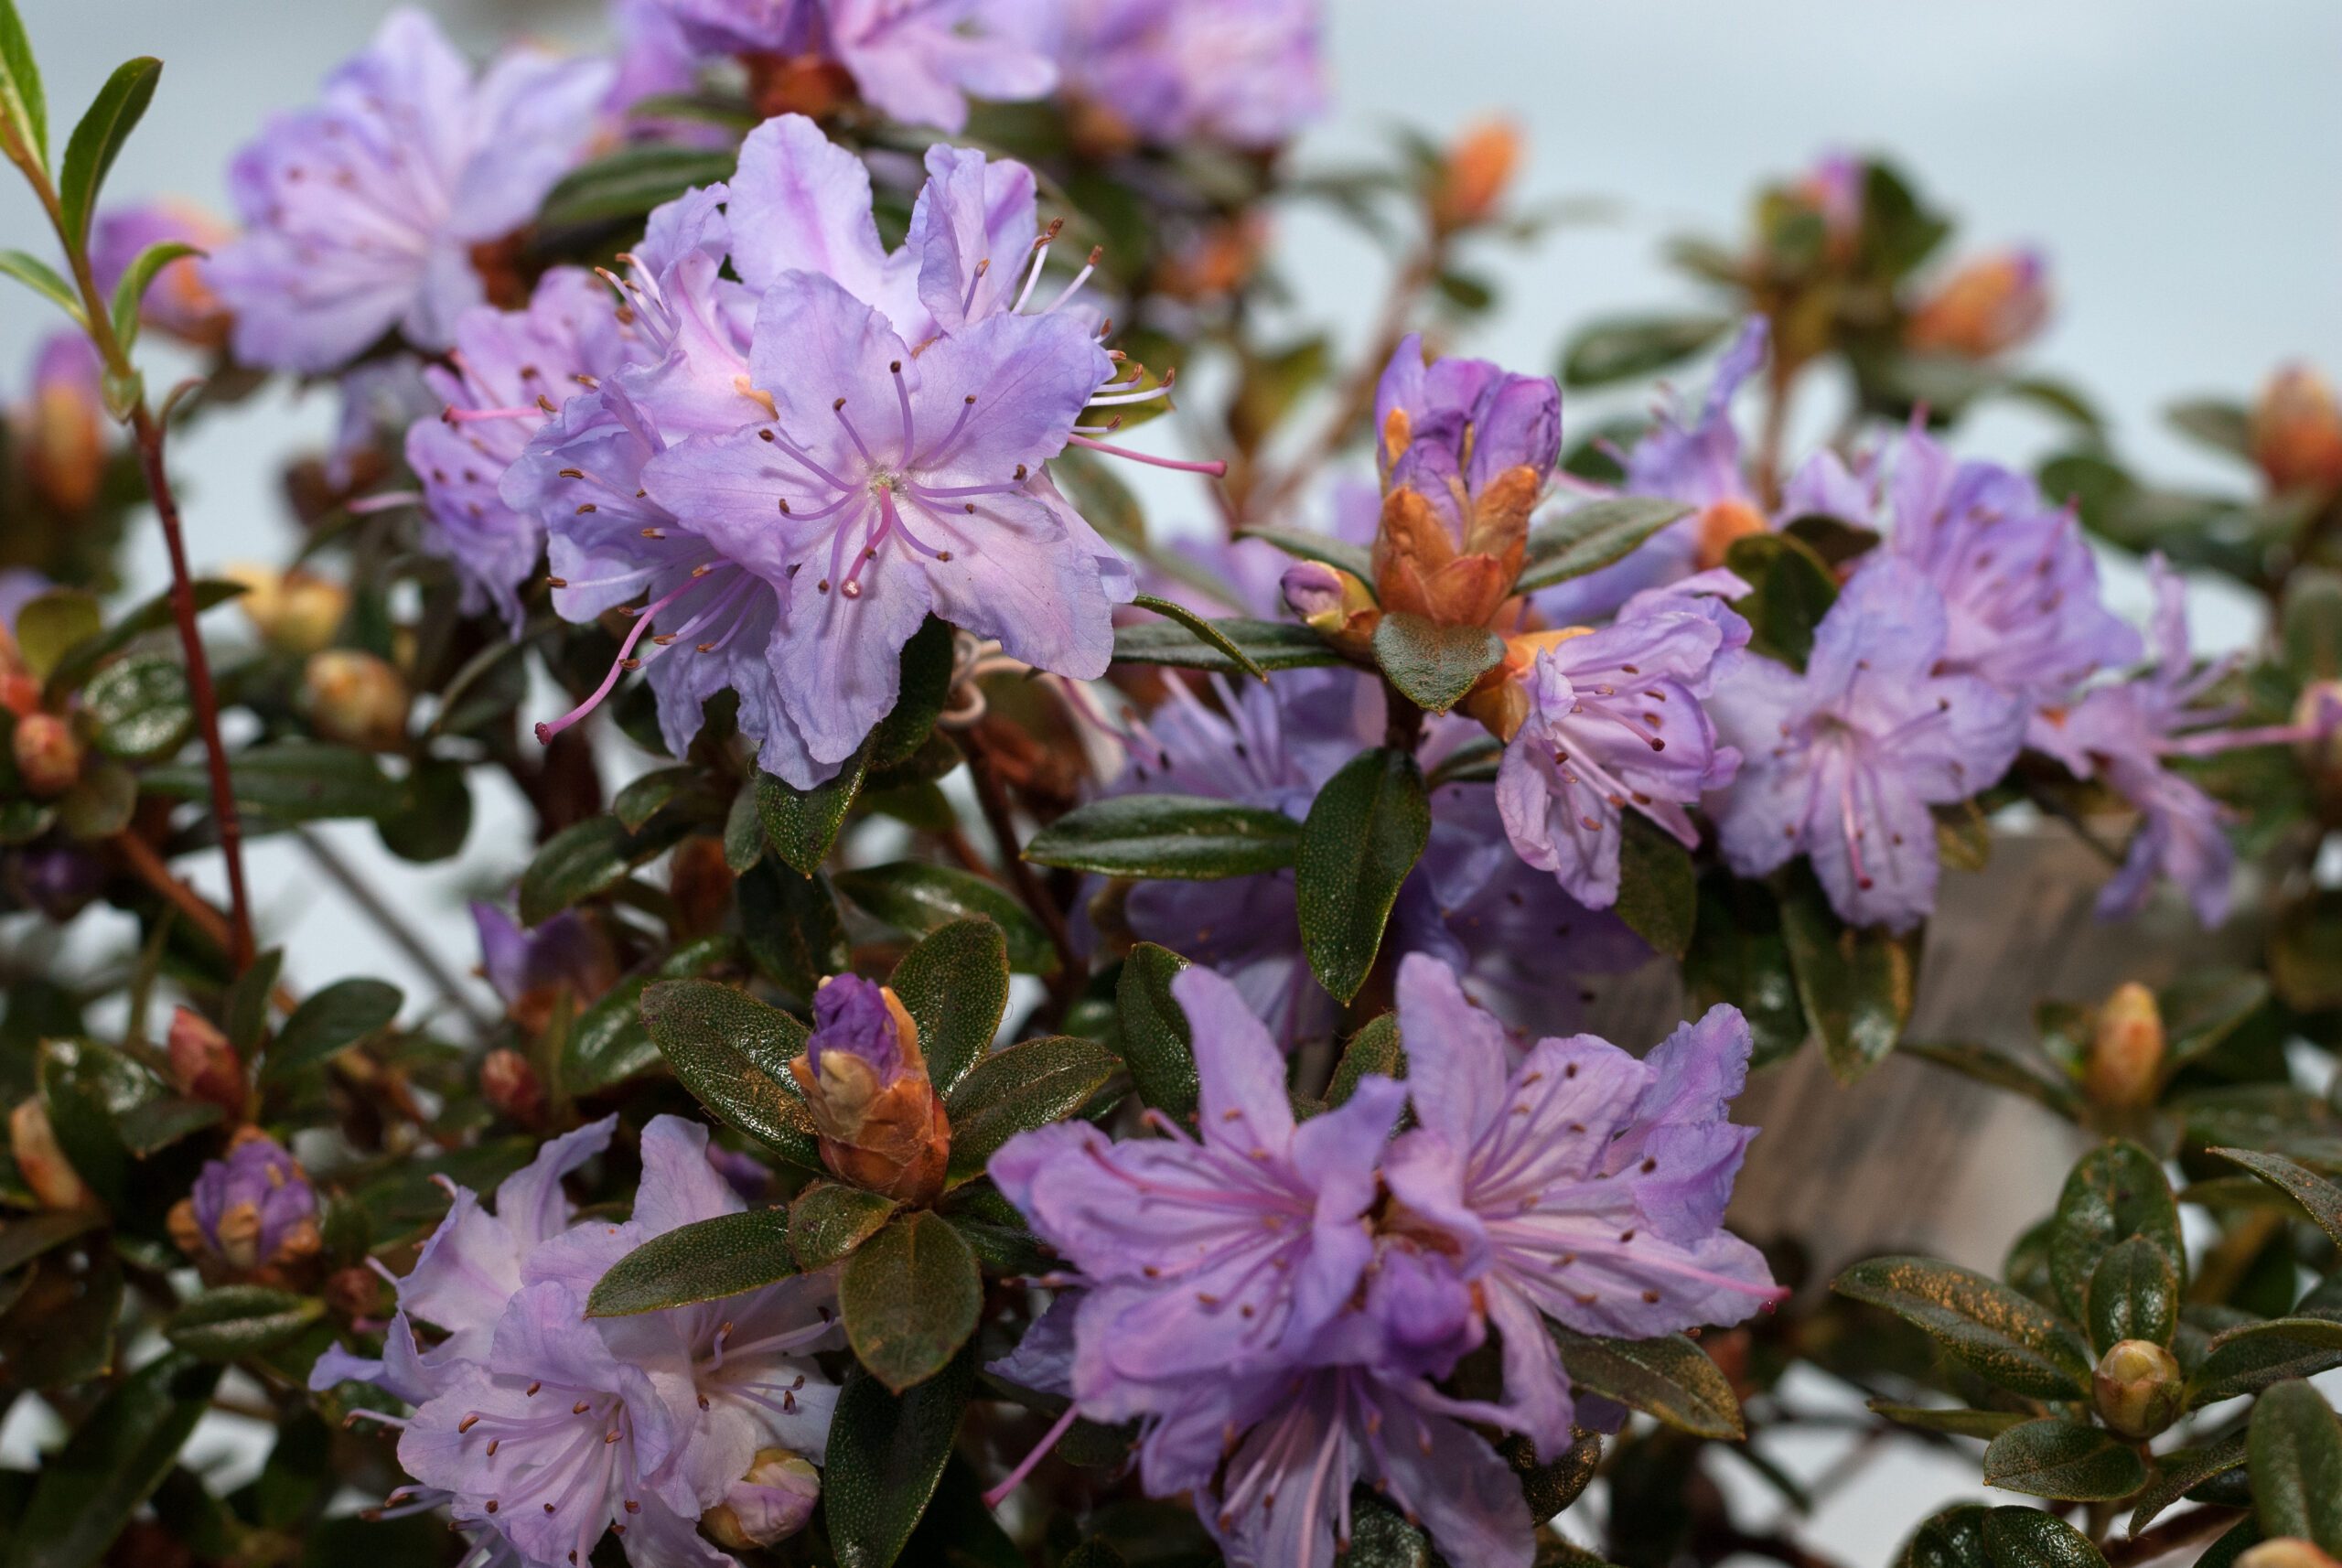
x=882, y=1124
x=204, y=1066
x=296, y=611
x=1479, y=167
x=50, y=1175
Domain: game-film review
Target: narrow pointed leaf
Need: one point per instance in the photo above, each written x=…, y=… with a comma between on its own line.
x=1592, y=536
x=732, y=1053
x=1204, y=631
x=1667, y=1377
x=1189, y=837
x=2010, y=1340
x=954, y=985
x=2064, y=1460
x=98, y=140
x=130, y=293
x=1263, y=644
x=42, y=279
x=1365, y=832
x=1030, y=1085
x=2296, y=1456
x=2320, y=1198
x=706, y=1261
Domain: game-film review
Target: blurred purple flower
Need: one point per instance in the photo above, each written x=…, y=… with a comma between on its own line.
x=1247, y=73
x=524, y=966
x=1841, y=763
x=254, y=1209
x=1584, y=1186
x=180, y=300
x=364, y=214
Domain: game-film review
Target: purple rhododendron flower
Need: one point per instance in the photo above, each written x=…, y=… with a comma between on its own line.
x=2125, y=735
x=1584, y=1185
x=544, y=1428
x=918, y=63
x=362, y=215
x=1616, y=719
x=1248, y=73
x=851, y=1015
x=509, y=373
x=1448, y=429
x=520, y=962
x=1841, y=763
x=2019, y=583
x=250, y=1205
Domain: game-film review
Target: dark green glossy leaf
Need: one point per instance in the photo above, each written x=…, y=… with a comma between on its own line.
x=732, y=1053
x=954, y=985
x=1659, y=893
x=886, y=1453
x=435, y=814
x=1738, y=955
x=291, y=781
x=1030, y=1084
x=150, y=616
x=235, y=1321
x=1791, y=590
x=587, y=858
x=830, y=1219
x=2296, y=1458
x=2027, y=1538
x=1156, y=1041
x=98, y=140
x=1964, y=1423
x=329, y=1021
x=2013, y=1341
x=909, y=1297
x=705, y=1261
x=120, y=1452
x=1306, y=546
x=2133, y=1295
x=26, y=1237
x=743, y=830
x=2116, y=1190
x=139, y=708
x=2064, y=1460
x=1952, y=1539
x=923, y=685
x=1624, y=347
x=2251, y=1356
x=790, y=925
x=1203, y=631
x=802, y=825
x=1855, y=983
x=2183, y=1470
x=1265, y=644
x=1375, y=1049
x=1365, y=832
x=1189, y=837
x=246, y=1013
x=1590, y=537
x=642, y=799
x=607, y=1043
x=630, y=182
x=2321, y=1199
x=919, y=897
x=1434, y=665
x=1668, y=1378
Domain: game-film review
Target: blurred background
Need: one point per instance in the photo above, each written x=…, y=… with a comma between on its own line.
x=2175, y=161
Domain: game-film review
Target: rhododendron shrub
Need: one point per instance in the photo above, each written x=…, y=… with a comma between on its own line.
x=1002, y=1028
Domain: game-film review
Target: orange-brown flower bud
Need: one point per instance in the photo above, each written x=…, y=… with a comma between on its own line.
x=2297, y=432
x=2126, y=1049
x=49, y=754
x=1985, y=308
x=1479, y=166
x=511, y=1086
x=2138, y=1388
x=1722, y=524
x=355, y=698
x=882, y=1124
x=1499, y=701
x=50, y=1175
x=296, y=611
x=204, y=1064
x=1333, y=604
x=807, y=84
x=63, y=424
x=2285, y=1552
x=1419, y=568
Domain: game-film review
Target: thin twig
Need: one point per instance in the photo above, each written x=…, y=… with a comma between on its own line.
x=386, y=920
x=2180, y=1529
x=994, y=798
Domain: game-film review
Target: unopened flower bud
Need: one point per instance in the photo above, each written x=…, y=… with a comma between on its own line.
x=2285, y=1552
x=2297, y=432
x=1985, y=308
x=296, y=611
x=50, y=1175
x=1724, y=525
x=2126, y=1049
x=2137, y=1388
x=49, y=754
x=355, y=698
x=1332, y=603
x=251, y=1213
x=510, y=1084
x=865, y=1083
x=769, y=1504
x=1479, y=167
x=203, y=1064
x=64, y=423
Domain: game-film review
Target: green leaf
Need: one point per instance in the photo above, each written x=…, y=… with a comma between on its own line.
x=2297, y=1454
x=886, y=1455
x=2310, y=625
x=802, y=825
x=246, y=1015
x=1738, y=955
x=151, y=615
x=1668, y=1378
x=923, y=685
x=909, y=1297
x=2028, y=1538
x=1952, y=1539
x=1790, y=589
x=120, y=1452
x=1266, y=645
x=1375, y=1049
x=790, y=925
x=2218, y=423
x=954, y=985
x=2251, y=1356
x=2064, y=1460
x=708, y=1259
x=607, y=1043
x=2234, y=1543
x=642, y=798
x=1365, y=832
x=743, y=830
x=732, y=1053
x=1855, y=983
x=918, y=898
x=1588, y=538
x=2133, y=1295
x=139, y=709
x=1434, y=665
x=52, y=622
x=329, y=1021
x=22, y=103
x=2015, y=1341
x=630, y=182
x=1156, y=1041
x=1659, y=893
x=2203, y=1009
x=42, y=279
x=1030, y=1085
x=153, y=1126
x=830, y=1219
x=291, y=781
x=1305, y=545
x=1989, y=1066
x=2115, y=1191
x=235, y=1321
x=435, y=813
x=2183, y=1470
x=587, y=858
x=1958, y=1419
x=130, y=292
x=24, y=1238
x=2321, y=1199
x=1204, y=631
x=1622, y=348
x=96, y=142
x=1193, y=838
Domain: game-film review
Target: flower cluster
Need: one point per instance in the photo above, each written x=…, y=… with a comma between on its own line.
x=540, y=1429
x=1276, y=1303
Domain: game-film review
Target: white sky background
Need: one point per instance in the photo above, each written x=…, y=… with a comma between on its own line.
x=2176, y=159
